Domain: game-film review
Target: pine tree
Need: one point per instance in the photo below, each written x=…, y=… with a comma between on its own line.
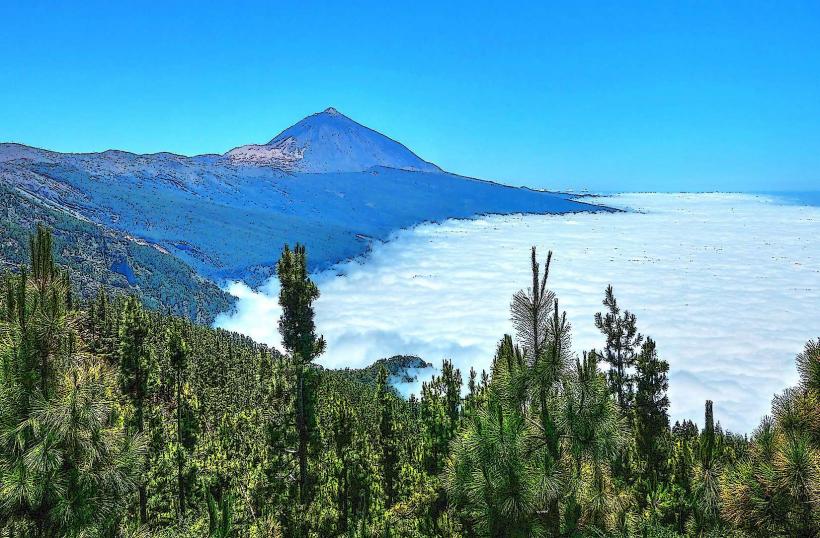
x=620, y=351
x=298, y=330
x=651, y=414
x=277, y=384
x=706, y=484
x=594, y=432
x=440, y=414
x=178, y=354
x=774, y=490
x=344, y=445
x=388, y=442
x=66, y=466
x=544, y=332
x=472, y=401
x=531, y=308
x=491, y=478
x=246, y=441
x=133, y=362
x=451, y=380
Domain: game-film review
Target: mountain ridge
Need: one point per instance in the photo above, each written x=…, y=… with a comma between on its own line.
x=289, y=151
x=228, y=220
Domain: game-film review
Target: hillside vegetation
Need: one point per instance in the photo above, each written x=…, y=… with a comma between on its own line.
x=117, y=420
x=98, y=257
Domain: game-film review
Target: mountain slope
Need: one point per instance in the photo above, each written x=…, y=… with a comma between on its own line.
x=329, y=141
x=99, y=257
x=228, y=218
x=232, y=223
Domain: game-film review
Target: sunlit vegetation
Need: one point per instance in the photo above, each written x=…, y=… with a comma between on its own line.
x=118, y=420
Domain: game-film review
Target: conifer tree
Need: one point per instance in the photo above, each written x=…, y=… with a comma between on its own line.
x=683, y=437
x=491, y=477
x=296, y=296
x=344, y=444
x=531, y=308
x=66, y=466
x=544, y=332
x=622, y=341
x=440, y=413
x=594, y=433
x=133, y=362
x=620, y=351
x=178, y=354
x=471, y=402
x=651, y=414
x=451, y=381
x=387, y=437
x=706, y=484
x=775, y=489
x=249, y=442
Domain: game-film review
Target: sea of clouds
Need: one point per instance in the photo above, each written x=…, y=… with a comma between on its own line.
x=728, y=285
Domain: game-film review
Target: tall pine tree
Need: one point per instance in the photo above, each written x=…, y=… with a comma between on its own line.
x=652, y=414
x=296, y=296
x=133, y=360
x=388, y=442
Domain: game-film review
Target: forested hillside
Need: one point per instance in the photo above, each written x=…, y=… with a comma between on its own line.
x=118, y=420
x=99, y=257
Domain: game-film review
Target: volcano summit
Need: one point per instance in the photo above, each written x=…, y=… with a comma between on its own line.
x=327, y=182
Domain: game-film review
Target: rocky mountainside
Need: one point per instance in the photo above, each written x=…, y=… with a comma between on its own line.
x=327, y=182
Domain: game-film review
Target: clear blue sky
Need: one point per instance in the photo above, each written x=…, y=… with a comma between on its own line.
x=608, y=96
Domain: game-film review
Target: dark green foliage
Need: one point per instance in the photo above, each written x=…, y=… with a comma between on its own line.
x=534, y=458
x=651, y=415
x=774, y=489
x=296, y=296
x=178, y=357
x=220, y=515
x=440, y=408
x=66, y=466
x=620, y=351
x=116, y=420
x=622, y=342
x=530, y=309
x=399, y=367
x=133, y=368
x=388, y=441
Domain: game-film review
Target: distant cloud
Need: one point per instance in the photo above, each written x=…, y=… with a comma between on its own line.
x=728, y=286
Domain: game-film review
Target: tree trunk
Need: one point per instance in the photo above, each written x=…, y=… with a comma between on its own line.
x=143, y=493
x=301, y=425
x=180, y=482
x=143, y=504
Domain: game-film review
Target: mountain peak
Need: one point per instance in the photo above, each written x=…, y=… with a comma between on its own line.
x=328, y=142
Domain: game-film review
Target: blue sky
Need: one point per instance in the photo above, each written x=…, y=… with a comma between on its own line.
x=605, y=96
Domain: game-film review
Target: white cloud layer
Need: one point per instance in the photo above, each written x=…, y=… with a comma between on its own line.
x=728, y=286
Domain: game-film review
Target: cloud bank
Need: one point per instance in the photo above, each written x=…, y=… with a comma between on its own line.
x=728, y=286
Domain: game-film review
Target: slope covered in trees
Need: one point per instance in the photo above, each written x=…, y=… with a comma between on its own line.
x=98, y=257
x=117, y=420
